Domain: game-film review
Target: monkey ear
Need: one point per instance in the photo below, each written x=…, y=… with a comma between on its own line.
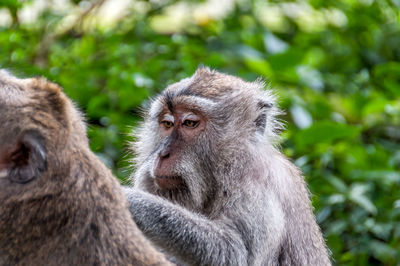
x=261, y=120
x=261, y=123
x=26, y=159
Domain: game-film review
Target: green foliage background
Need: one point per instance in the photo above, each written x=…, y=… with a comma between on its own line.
x=334, y=64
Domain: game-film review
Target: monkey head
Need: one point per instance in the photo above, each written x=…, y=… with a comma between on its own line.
x=37, y=122
x=197, y=132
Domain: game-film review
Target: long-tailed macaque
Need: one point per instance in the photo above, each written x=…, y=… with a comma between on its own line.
x=210, y=186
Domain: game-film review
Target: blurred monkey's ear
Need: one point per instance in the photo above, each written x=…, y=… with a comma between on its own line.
x=25, y=159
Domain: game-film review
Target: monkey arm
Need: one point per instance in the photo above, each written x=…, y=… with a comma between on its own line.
x=188, y=236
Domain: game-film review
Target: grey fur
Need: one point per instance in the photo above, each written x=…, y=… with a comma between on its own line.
x=244, y=203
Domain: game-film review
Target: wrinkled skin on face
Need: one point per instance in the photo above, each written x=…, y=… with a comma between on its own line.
x=180, y=129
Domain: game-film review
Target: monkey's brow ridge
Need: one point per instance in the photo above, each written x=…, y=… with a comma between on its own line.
x=169, y=96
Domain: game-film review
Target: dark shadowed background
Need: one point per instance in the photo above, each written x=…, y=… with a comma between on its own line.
x=334, y=64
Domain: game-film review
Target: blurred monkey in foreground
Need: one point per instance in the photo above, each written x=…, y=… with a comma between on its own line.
x=59, y=204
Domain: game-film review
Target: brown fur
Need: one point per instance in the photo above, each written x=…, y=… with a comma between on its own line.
x=73, y=212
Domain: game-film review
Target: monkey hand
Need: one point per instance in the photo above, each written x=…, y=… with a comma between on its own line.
x=146, y=209
x=186, y=234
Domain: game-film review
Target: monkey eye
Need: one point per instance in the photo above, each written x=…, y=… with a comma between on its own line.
x=190, y=123
x=167, y=123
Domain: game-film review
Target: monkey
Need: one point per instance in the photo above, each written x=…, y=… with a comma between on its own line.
x=210, y=185
x=60, y=205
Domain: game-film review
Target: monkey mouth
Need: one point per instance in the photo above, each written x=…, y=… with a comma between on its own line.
x=169, y=182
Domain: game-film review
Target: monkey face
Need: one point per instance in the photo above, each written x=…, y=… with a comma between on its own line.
x=174, y=169
x=180, y=128
x=197, y=132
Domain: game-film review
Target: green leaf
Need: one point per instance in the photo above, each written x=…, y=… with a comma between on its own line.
x=325, y=132
x=259, y=66
x=382, y=250
x=357, y=195
x=286, y=60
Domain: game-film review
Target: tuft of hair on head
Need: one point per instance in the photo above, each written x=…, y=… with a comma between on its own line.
x=202, y=71
x=41, y=83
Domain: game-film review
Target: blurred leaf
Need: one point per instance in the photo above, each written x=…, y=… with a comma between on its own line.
x=337, y=183
x=385, y=176
x=98, y=106
x=337, y=227
x=260, y=67
x=382, y=250
x=301, y=116
x=357, y=195
x=325, y=132
x=286, y=60
x=273, y=44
